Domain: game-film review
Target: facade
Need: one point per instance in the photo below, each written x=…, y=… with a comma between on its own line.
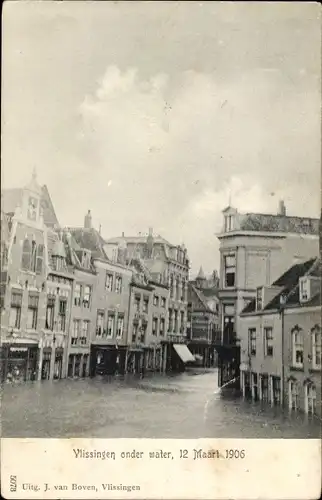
x=280, y=338
x=110, y=303
x=203, y=319
x=35, y=287
x=166, y=265
x=254, y=250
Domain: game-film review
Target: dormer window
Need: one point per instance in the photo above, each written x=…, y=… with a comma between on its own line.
x=259, y=299
x=304, y=289
x=229, y=223
x=86, y=259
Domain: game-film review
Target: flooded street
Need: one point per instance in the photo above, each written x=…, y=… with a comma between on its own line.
x=188, y=405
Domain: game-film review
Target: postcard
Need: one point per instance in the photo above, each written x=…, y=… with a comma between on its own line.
x=161, y=250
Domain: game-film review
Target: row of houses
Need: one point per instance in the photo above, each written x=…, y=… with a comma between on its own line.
x=270, y=308
x=74, y=304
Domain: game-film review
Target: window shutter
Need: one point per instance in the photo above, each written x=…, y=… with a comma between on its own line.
x=26, y=255
x=39, y=262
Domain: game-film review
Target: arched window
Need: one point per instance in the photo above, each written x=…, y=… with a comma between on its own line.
x=40, y=258
x=26, y=255
x=33, y=256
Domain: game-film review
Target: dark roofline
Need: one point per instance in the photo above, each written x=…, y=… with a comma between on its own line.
x=140, y=285
x=161, y=285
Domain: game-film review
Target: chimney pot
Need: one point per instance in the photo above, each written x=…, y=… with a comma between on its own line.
x=88, y=220
x=281, y=208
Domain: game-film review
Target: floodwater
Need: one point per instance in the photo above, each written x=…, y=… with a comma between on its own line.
x=187, y=405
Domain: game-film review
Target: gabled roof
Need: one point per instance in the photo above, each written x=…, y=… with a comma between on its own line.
x=278, y=223
x=202, y=302
x=289, y=285
x=89, y=239
x=50, y=218
x=138, y=240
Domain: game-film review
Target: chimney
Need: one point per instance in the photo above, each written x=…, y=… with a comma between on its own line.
x=150, y=231
x=88, y=220
x=281, y=208
x=123, y=235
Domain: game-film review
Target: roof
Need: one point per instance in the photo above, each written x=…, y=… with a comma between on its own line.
x=201, y=274
x=288, y=282
x=278, y=223
x=12, y=198
x=89, y=239
x=138, y=239
x=200, y=298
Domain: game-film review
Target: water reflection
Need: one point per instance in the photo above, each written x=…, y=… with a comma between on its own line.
x=183, y=406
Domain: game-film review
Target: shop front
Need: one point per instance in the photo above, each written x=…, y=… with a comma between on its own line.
x=58, y=365
x=19, y=362
x=107, y=360
x=46, y=363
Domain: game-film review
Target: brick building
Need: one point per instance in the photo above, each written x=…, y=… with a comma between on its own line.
x=280, y=337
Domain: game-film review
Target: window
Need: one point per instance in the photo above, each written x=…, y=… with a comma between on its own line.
x=85, y=333
x=181, y=321
x=252, y=341
x=228, y=223
x=155, y=326
x=316, y=347
x=50, y=311
x=118, y=284
x=109, y=282
x=145, y=304
x=259, y=299
x=264, y=387
x=297, y=348
x=137, y=300
x=162, y=326
x=26, y=255
x=32, y=313
x=156, y=300
x=75, y=332
x=268, y=341
x=134, y=332
x=310, y=399
x=163, y=302
x=39, y=260
x=171, y=284
x=100, y=323
x=15, y=310
x=87, y=296
x=110, y=325
x=176, y=321
x=143, y=333
x=230, y=270
x=276, y=386
x=183, y=291
x=170, y=327
x=33, y=260
x=77, y=295
x=293, y=395
x=62, y=314
x=120, y=326
x=59, y=263
x=178, y=294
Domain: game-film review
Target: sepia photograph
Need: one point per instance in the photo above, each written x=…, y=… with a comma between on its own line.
x=161, y=221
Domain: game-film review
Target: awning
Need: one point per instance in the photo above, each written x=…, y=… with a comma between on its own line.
x=183, y=352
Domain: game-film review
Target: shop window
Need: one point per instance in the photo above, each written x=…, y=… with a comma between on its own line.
x=264, y=384
x=15, y=309
x=230, y=270
x=276, y=385
x=268, y=341
x=293, y=395
x=50, y=312
x=32, y=313
x=311, y=399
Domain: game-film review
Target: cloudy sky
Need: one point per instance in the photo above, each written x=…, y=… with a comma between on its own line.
x=151, y=114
